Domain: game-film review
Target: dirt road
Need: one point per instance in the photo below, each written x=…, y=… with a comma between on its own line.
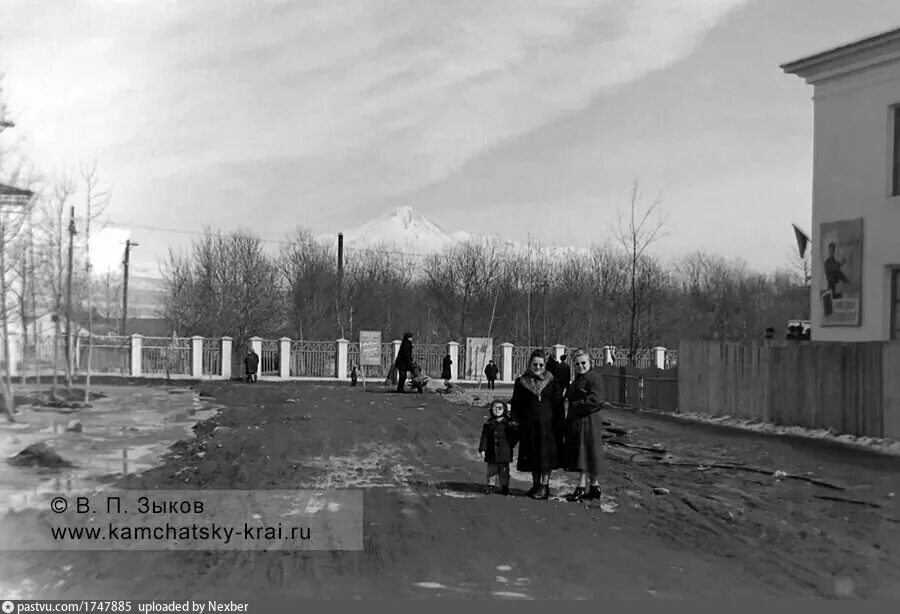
x=723, y=526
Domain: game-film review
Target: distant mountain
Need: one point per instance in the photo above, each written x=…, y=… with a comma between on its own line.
x=403, y=229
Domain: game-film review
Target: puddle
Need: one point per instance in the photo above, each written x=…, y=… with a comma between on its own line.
x=124, y=433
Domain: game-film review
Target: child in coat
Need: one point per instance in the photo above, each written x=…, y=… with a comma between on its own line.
x=498, y=438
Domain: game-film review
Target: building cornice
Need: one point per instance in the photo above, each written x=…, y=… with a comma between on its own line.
x=850, y=58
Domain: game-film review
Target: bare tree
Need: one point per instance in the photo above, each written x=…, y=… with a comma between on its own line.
x=53, y=261
x=309, y=272
x=96, y=201
x=460, y=280
x=636, y=233
x=226, y=286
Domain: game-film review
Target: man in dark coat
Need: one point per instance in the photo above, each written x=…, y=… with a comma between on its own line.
x=446, y=374
x=552, y=365
x=490, y=372
x=563, y=375
x=251, y=364
x=404, y=360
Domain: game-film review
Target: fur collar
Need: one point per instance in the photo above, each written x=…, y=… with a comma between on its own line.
x=535, y=383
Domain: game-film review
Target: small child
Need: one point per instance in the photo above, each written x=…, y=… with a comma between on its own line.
x=353, y=376
x=498, y=438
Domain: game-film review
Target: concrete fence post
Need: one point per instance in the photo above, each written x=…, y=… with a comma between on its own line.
x=660, y=353
x=506, y=362
x=226, y=357
x=197, y=356
x=608, y=354
x=558, y=350
x=256, y=344
x=284, y=357
x=137, y=342
x=453, y=350
x=342, y=347
x=13, y=359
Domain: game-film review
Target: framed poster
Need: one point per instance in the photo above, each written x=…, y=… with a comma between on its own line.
x=479, y=350
x=369, y=348
x=840, y=252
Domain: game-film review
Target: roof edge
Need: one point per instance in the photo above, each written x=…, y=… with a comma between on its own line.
x=832, y=60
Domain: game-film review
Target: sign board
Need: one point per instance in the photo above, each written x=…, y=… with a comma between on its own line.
x=479, y=350
x=370, y=348
x=840, y=251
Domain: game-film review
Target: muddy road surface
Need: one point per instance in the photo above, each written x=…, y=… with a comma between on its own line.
x=688, y=510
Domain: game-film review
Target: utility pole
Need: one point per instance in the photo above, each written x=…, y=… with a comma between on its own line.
x=340, y=262
x=69, y=362
x=128, y=245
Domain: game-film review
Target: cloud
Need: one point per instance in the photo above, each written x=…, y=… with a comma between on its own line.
x=386, y=97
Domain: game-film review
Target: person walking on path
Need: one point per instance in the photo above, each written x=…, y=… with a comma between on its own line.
x=404, y=360
x=498, y=438
x=490, y=372
x=584, y=442
x=446, y=374
x=251, y=364
x=538, y=409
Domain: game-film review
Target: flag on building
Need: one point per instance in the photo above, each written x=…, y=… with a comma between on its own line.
x=802, y=240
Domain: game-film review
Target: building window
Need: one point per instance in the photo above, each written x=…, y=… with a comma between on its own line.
x=895, y=304
x=895, y=160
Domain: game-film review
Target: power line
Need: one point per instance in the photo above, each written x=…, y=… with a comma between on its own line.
x=200, y=233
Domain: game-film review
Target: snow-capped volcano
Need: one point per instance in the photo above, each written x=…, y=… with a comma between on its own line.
x=406, y=230
x=402, y=229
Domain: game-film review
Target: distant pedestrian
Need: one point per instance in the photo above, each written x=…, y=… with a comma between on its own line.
x=584, y=432
x=498, y=438
x=353, y=375
x=563, y=375
x=251, y=365
x=490, y=372
x=446, y=374
x=770, y=333
x=552, y=364
x=404, y=361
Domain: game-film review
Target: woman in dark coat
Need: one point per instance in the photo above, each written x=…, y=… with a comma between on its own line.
x=445, y=368
x=584, y=442
x=404, y=360
x=537, y=407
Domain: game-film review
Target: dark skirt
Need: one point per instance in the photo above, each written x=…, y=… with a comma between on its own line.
x=540, y=447
x=584, y=444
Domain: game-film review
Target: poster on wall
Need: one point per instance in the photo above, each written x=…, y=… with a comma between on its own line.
x=840, y=251
x=479, y=351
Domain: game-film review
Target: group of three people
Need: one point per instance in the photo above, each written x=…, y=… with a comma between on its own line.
x=551, y=435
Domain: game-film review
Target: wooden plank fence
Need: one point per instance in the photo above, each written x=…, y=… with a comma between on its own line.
x=846, y=387
x=650, y=388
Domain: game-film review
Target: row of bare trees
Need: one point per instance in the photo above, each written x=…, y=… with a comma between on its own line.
x=614, y=294
x=46, y=271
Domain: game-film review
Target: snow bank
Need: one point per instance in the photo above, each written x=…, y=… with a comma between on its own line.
x=875, y=444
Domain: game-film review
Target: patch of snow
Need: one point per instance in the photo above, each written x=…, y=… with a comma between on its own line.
x=876, y=444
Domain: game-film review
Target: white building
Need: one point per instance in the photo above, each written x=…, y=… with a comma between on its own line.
x=856, y=189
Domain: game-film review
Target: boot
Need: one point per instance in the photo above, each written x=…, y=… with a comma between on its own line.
x=593, y=493
x=543, y=493
x=489, y=489
x=534, y=490
x=504, y=490
x=577, y=495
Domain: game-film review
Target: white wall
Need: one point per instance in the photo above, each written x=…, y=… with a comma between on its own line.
x=853, y=135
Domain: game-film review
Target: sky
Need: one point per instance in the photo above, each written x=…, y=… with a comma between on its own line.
x=517, y=118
